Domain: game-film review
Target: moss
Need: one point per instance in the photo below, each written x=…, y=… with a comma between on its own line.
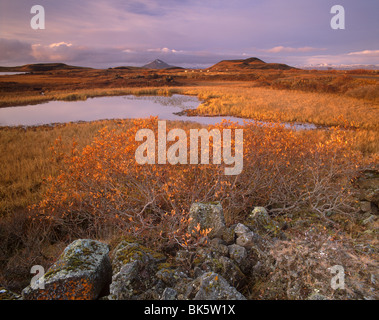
x=132, y=251
x=166, y=265
x=73, y=259
x=127, y=254
x=156, y=255
x=217, y=265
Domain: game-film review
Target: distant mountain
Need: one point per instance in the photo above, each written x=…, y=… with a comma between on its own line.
x=41, y=67
x=247, y=64
x=158, y=64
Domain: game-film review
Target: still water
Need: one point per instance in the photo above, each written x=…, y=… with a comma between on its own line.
x=10, y=73
x=119, y=107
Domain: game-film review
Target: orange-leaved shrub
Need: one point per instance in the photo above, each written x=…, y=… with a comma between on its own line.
x=101, y=188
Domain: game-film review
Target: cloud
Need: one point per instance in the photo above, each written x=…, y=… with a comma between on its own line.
x=60, y=51
x=164, y=50
x=281, y=49
x=14, y=50
x=364, y=57
x=371, y=53
x=53, y=45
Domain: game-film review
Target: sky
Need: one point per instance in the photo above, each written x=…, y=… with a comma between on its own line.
x=188, y=33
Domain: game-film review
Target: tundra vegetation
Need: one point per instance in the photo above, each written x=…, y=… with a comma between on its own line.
x=81, y=180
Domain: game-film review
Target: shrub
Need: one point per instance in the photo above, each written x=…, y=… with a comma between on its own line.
x=102, y=189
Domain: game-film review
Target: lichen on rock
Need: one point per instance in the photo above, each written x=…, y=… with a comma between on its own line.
x=207, y=216
x=81, y=273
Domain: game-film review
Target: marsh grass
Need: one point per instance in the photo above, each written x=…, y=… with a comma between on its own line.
x=83, y=94
x=25, y=159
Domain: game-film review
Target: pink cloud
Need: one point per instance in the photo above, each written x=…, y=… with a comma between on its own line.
x=280, y=49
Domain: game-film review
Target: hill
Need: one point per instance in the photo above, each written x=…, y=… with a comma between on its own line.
x=158, y=64
x=40, y=67
x=247, y=64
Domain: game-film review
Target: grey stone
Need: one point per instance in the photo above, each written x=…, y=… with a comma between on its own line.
x=246, y=240
x=241, y=229
x=169, y=294
x=219, y=248
x=228, y=235
x=207, y=216
x=237, y=253
x=81, y=272
x=365, y=206
x=123, y=283
x=212, y=286
x=317, y=296
x=170, y=276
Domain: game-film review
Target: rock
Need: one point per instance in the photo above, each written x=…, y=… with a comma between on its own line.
x=134, y=272
x=6, y=294
x=259, y=211
x=216, y=260
x=207, y=215
x=228, y=235
x=365, y=206
x=123, y=283
x=246, y=240
x=218, y=247
x=241, y=229
x=368, y=184
x=212, y=286
x=231, y=272
x=127, y=252
x=259, y=220
x=197, y=272
x=170, y=276
x=237, y=253
x=169, y=294
x=317, y=296
x=81, y=273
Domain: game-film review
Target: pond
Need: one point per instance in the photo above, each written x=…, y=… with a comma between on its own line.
x=115, y=107
x=10, y=73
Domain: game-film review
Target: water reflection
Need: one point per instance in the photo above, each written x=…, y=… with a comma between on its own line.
x=119, y=107
x=10, y=73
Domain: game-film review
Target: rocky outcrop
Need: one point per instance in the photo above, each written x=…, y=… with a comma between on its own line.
x=82, y=271
x=367, y=184
x=218, y=269
x=207, y=216
x=134, y=271
x=211, y=286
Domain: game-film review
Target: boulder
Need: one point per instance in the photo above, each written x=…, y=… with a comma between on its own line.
x=246, y=240
x=368, y=184
x=217, y=245
x=134, y=268
x=123, y=282
x=170, y=277
x=240, y=229
x=127, y=252
x=229, y=235
x=82, y=271
x=169, y=294
x=259, y=220
x=237, y=253
x=212, y=286
x=207, y=215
